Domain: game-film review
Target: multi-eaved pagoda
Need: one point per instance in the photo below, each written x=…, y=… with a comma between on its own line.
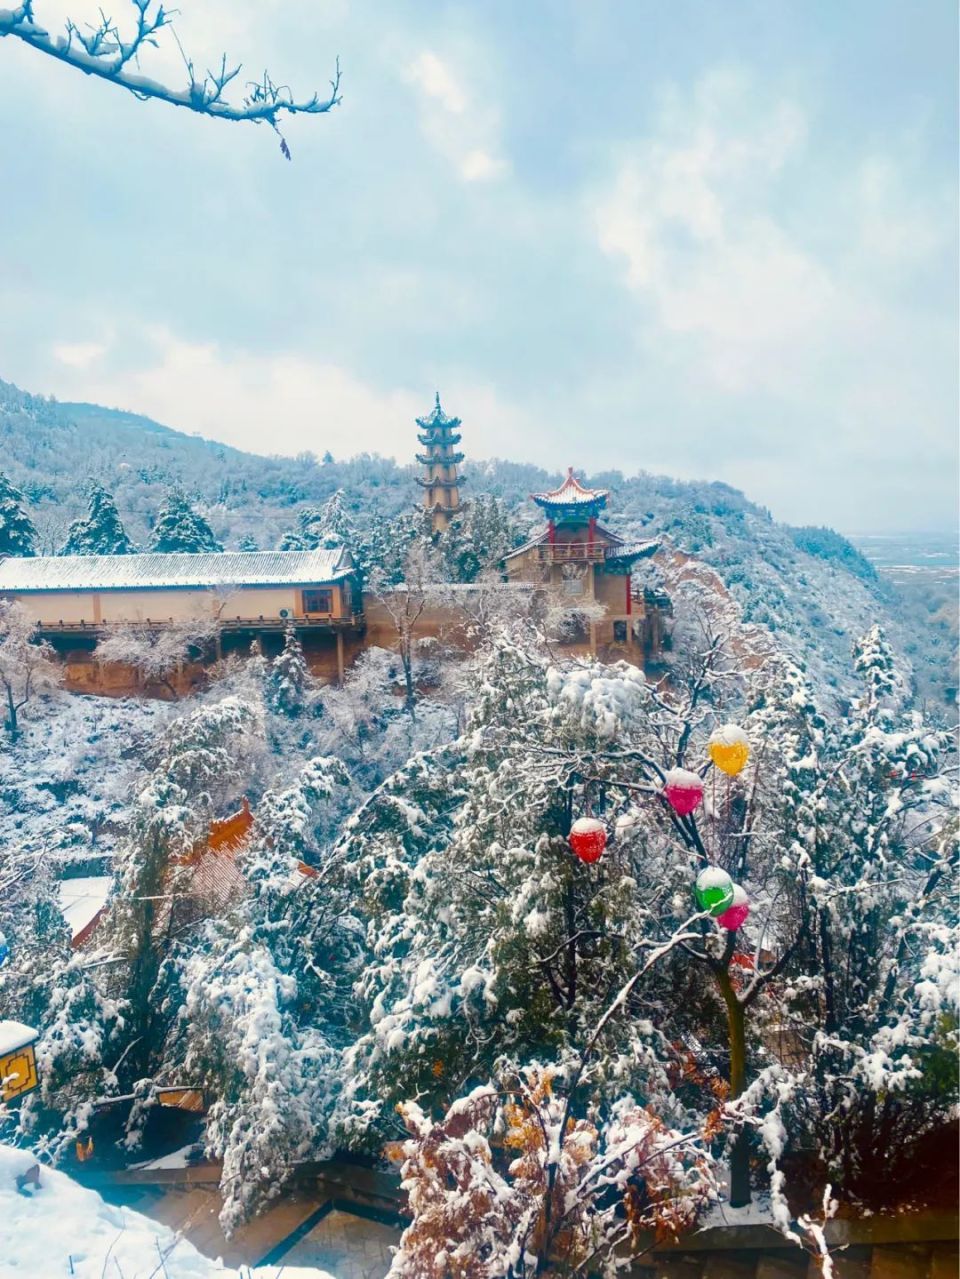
x=440, y=481
x=585, y=563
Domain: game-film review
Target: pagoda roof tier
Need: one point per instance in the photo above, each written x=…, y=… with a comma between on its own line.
x=440, y=437
x=440, y=484
x=446, y=510
x=448, y=459
x=571, y=498
x=437, y=420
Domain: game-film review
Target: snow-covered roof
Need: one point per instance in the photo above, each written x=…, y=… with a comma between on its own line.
x=82, y=899
x=14, y=1035
x=158, y=571
x=436, y=419
x=571, y=493
x=633, y=550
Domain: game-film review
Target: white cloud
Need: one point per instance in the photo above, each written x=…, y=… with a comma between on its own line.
x=285, y=403
x=455, y=120
x=702, y=216
x=79, y=355
x=436, y=80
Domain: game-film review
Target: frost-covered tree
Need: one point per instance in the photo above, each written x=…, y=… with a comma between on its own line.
x=492, y=943
x=17, y=533
x=113, y=54
x=101, y=531
x=195, y=770
x=157, y=654
x=180, y=528
x=289, y=680
x=330, y=525
x=44, y=984
x=375, y=544
x=477, y=540
x=868, y=1006
x=406, y=602
x=509, y=1183
x=28, y=664
x=267, y=996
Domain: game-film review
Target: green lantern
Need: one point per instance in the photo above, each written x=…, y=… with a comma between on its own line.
x=714, y=890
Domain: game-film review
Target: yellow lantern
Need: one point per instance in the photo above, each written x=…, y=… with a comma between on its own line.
x=729, y=749
x=18, y=1061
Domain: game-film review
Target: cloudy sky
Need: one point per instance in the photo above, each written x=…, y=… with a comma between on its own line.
x=707, y=239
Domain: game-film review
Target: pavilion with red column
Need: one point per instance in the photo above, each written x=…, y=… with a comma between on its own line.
x=586, y=564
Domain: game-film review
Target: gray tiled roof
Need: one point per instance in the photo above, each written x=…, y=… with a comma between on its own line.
x=132, y=572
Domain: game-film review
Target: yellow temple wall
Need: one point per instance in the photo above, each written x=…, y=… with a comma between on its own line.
x=93, y=608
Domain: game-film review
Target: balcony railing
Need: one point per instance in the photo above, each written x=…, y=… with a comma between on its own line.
x=571, y=553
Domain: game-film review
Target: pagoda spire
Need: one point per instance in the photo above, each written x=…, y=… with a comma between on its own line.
x=440, y=481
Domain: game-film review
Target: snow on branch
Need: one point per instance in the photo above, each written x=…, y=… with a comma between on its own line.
x=103, y=50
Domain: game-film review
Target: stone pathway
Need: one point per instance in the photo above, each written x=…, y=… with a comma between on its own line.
x=349, y=1247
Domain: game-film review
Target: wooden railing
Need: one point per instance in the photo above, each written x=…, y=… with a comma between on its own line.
x=571, y=553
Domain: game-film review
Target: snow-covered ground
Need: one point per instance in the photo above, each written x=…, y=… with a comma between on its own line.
x=58, y=1228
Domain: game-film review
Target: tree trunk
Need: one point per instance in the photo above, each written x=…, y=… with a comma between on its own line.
x=12, y=727
x=736, y=1031
x=406, y=660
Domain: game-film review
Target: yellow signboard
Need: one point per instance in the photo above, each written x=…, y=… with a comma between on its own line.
x=18, y=1073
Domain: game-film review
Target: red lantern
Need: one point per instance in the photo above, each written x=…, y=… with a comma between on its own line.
x=683, y=791
x=736, y=913
x=588, y=838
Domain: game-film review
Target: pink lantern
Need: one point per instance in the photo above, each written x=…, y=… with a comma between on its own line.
x=588, y=838
x=682, y=790
x=736, y=913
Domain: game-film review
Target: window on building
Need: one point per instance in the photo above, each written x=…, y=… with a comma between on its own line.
x=318, y=601
x=620, y=632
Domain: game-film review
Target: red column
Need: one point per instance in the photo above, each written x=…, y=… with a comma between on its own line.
x=629, y=595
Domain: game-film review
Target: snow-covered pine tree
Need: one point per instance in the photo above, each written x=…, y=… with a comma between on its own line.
x=101, y=531
x=196, y=770
x=45, y=985
x=247, y=543
x=328, y=525
x=289, y=680
x=477, y=540
x=180, y=528
x=868, y=1007
x=17, y=533
x=266, y=999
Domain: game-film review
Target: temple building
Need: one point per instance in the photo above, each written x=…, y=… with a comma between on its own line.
x=251, y=594
x=583, y=563
x=574, y=569
x=440, y=481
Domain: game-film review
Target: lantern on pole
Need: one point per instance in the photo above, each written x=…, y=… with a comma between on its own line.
x=714, y=890
x=736, y=913
x=588, y=839
x=682, y=790
x=729, y=748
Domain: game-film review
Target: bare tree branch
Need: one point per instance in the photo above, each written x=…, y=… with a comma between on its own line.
x=102, y=51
